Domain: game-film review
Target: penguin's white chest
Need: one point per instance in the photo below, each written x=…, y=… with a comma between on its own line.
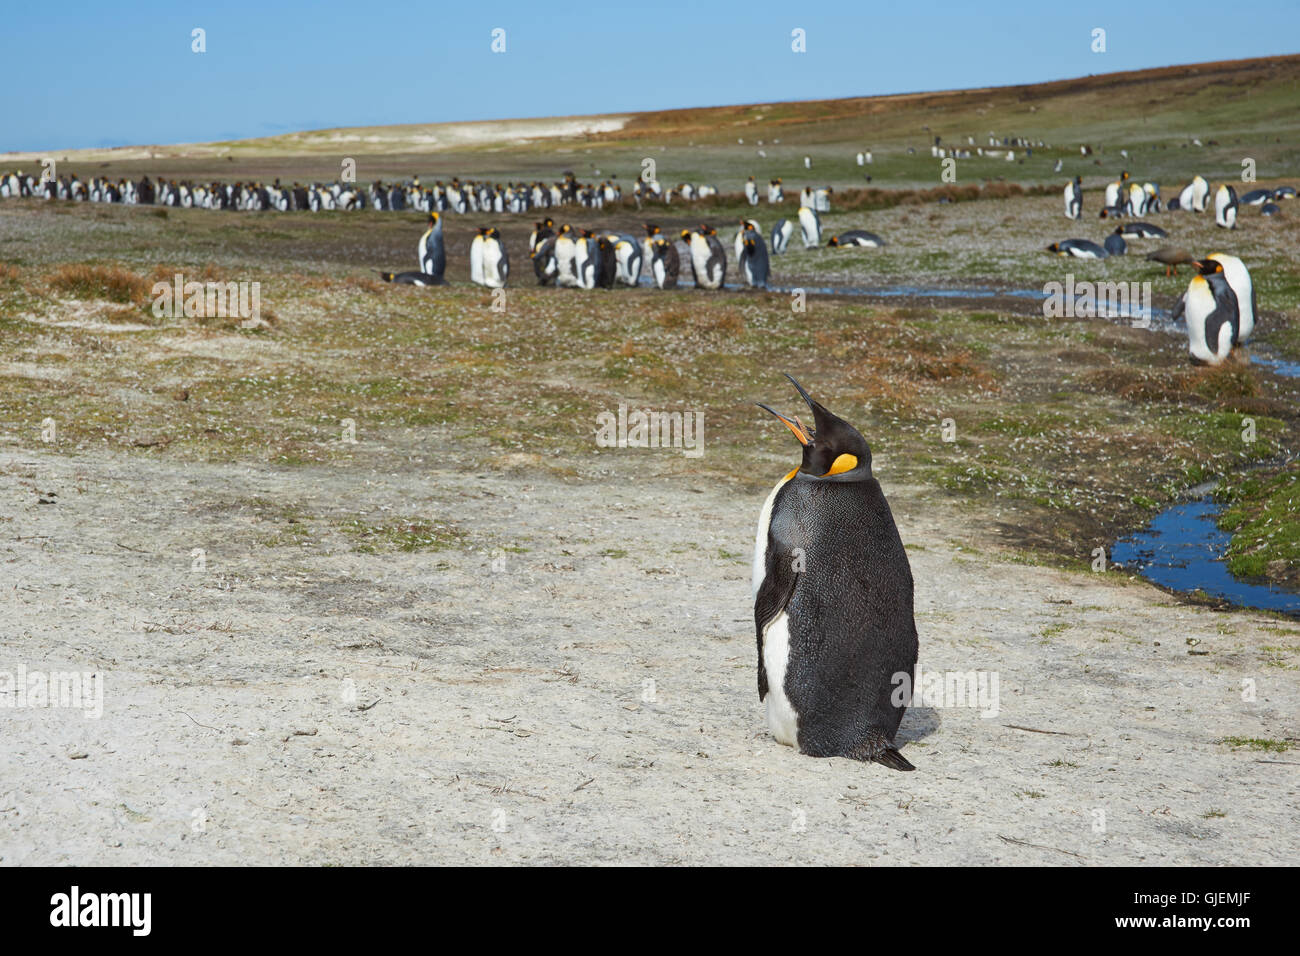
x=781, y=717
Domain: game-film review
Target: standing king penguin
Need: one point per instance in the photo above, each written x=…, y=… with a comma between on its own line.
x=1074, y=199
x=833, y=601
x=433, y=257
x=1225, y=207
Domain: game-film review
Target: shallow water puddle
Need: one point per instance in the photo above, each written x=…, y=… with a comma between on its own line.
x=1182, y=549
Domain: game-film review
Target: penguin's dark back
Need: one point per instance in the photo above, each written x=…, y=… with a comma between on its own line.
x=850, y=616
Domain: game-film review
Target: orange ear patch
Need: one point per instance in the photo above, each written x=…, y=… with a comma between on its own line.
x=842, y=464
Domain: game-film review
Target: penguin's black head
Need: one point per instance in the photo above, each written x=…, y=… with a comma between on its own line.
x=832, y=448
x=1054, y=247
x=651, y=229
x=1104, y=213
x=1208, y=267
x=834, y=241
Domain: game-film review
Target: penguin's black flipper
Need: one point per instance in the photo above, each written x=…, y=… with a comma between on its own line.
x=773, y=596
x=892, y=759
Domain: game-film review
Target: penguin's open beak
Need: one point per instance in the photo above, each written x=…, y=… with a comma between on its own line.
x=801, y=431
x=796, y=426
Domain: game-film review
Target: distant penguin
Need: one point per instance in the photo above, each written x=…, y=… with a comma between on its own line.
x=1225, y=207
x=857, y=237
x=775, y=191
x=1074, y=199
x=664, y=263
x=781, y=234
x=751, y=191
x=1143, y=230
x=754, y=267
x=1113, y=197
x=1115, y=244
x=1238, y=278
x=1256, y=197
x=496, y=264
x=1284, y=192
x=476, y=256
x=811, y=226
x=1210, y=310
x=1270, y=209
x=432, y=255
x=832, y=601
x=1078, y=248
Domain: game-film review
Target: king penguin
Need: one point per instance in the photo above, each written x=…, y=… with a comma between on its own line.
x=1074, y=199
x=1238, y=278
x=1225, y=207
x=1210, y=309
x=833, y=601
x=753, y=260
x=433, y=257
x=781, y=234
x=811, y=225
x=496, y=264
x=664, y=263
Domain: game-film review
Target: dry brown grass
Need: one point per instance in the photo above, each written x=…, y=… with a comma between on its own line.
x=100, y=282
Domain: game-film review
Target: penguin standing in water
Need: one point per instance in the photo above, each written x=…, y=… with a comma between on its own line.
x=664, y=263
x=1210, y=309
x=433, y=257
x=1237, y=276
x=833, y=601
x=781, y=234
x=1225, y=207
x=811, y=225
x=1074, y=198
x=753, y=260
x=495, y=264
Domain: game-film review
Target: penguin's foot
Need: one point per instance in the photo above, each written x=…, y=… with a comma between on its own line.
x=878, y=750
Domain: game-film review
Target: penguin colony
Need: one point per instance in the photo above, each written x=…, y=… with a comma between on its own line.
x=459, y=196
x=1219, y=305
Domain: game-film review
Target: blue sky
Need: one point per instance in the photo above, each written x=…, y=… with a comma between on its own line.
x=81, y=74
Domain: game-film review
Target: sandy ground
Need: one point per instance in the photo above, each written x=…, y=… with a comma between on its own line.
x=503, y=713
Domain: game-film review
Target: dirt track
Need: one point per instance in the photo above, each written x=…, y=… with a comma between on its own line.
x=501, y=713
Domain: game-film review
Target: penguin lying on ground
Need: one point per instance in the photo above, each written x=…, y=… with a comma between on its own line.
x=1270, y=209
x=412, y=278
x=1115, y=244
x=1079, y=248
x=1143, y=230
x=1284, y=192
x=1256, y=197
x=857, y=237
x=832, y=601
